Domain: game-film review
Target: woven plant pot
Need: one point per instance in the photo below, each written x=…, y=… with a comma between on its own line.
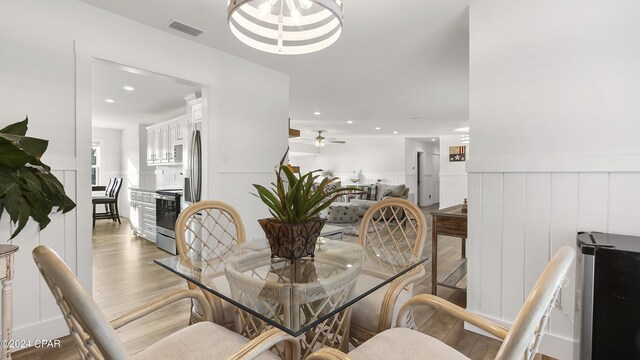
x=292, y=241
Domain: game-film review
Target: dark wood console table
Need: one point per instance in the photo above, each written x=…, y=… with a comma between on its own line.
x=450, y=221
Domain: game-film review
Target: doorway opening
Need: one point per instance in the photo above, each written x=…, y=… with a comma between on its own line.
x=419, y=156
x=142, y=126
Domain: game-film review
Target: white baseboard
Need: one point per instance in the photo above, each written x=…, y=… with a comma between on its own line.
x=552, y=345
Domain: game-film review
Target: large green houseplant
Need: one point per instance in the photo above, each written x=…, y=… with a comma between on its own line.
x=27, y=187
x=295, y=202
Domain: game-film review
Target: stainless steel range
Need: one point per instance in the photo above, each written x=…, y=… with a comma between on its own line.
x=167, y=211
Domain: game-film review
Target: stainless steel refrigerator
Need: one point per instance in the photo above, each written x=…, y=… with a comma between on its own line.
x=193, y=171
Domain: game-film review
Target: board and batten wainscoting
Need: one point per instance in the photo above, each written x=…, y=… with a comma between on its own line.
x=35, y=313
x=521, y=219
x=553, y=128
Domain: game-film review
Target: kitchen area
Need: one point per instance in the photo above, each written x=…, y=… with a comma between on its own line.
x=174, y=149
x=150, y=136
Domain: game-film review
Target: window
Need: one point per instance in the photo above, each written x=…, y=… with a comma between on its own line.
x=95, y=164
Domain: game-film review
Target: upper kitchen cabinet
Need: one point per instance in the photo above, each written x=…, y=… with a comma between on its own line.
x=194, y=107
x=162, y=139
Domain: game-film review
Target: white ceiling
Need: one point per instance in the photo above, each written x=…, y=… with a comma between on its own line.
x=399, y=65
x=155, y=98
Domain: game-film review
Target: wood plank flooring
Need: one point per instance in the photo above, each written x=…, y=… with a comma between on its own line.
x=125, y=277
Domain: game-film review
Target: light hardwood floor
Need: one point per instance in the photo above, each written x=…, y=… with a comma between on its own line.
x=125, y=276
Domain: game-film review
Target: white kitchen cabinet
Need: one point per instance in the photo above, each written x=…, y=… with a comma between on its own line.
x=157, y=146
x=164, y=144
x=135, y=216
x=172, y=139
x=150, y=148
x=196, y=109
x=162, y=138
x=183, y=129
x=142, y=213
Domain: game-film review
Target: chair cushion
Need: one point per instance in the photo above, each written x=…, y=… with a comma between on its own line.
x=366, y=312
x=204, y=340
x=406, y=344
x=101, y=199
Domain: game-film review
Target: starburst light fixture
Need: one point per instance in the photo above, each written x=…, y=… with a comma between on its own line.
x=287, y=27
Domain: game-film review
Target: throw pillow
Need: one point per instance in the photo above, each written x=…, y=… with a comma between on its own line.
x=386, y=193
x=372, y=192
x=332, y=186
x=367, y=193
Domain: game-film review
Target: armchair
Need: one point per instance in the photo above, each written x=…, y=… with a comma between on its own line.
x=96, y=338
x=392, y=234
x=521, y=341
x=210, y=230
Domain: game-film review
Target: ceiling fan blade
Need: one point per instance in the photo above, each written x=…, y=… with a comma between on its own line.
x=337, y=141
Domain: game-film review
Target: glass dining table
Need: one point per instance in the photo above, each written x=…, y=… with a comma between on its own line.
x=309, y=296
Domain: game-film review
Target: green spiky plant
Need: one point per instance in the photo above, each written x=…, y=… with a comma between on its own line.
x=294, y=199
x=27, y=187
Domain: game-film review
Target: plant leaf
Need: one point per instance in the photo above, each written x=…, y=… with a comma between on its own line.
x=27, y=187
x=16, y=151
x=17, y=207
x=19, y=128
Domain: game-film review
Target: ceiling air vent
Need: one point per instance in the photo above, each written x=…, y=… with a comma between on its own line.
x=185, y=28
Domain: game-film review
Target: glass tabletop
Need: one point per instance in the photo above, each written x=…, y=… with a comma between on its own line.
x=293, y=296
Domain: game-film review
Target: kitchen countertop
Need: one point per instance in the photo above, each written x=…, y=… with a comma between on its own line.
x=140, y=189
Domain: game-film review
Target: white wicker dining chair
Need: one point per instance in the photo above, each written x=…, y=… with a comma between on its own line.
x=392, y=234
x=95, y=337
x=521, y=341
x=322, y=285
x=210, y=231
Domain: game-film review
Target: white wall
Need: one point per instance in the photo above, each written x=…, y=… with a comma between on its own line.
x=554, y=119
x=46, y=72
x=111, y=157
x=430, y=176
x=453, y=176
x=110, y=141
x=381, y=158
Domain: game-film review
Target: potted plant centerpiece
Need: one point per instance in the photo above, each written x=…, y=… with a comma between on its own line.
x=295, y=202
x=27, y=187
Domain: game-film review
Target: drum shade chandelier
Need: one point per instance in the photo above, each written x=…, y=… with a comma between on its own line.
x=287, y=27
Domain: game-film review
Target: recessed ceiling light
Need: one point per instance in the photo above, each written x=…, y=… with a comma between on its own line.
x=350, y=122
x=129, y=88
x=109, y=101
x=316, y=113
x=378, y=128
x=395, y=132
x=462, y=129
x=433, y=139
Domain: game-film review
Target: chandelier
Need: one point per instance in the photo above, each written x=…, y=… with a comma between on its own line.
x=287, y=27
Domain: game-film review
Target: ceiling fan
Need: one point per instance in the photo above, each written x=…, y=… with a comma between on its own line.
x=322, y=141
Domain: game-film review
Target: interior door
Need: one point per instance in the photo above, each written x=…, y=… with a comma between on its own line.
x=435, y=192
x=419, y=178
